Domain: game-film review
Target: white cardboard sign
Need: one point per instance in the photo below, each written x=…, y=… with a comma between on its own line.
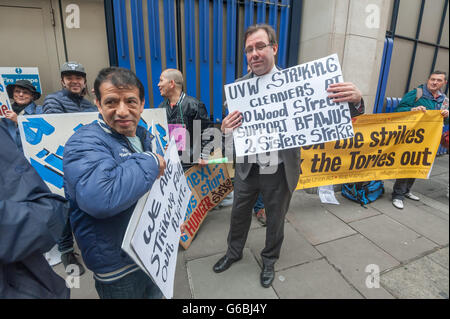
x=157, y=235
x=45, y=135
x=289, y=108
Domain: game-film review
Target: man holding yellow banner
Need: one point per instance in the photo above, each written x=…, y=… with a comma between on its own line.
x=425, y=97
x=399, y=145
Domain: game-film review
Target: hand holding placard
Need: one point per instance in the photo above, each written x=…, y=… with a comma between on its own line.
x=290, y=108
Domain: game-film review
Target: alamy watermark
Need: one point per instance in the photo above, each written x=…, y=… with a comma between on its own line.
x=73, y=17
x=373, y=279
x=73, y=279
x=373, y=18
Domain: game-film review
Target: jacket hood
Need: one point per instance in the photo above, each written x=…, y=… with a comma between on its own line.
x=427, y=94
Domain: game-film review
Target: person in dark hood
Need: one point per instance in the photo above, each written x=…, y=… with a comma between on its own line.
x=31, y=220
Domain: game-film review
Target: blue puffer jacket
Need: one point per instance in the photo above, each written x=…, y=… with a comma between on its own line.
x=32, y=109
x=103, y=179
x=13, y=130
x=65, y=102
x=31, y=221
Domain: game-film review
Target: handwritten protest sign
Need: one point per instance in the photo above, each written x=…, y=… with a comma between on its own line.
x=289, y=108
x=385, y=146
x=209, y=185
x=155, y=240
x=44, y=136
x=11, y=75
x=4, y=99
x=132, y=224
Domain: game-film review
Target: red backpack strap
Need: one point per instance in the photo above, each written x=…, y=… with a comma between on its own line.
x=419, y=93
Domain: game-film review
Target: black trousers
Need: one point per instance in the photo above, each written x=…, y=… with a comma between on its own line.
x=401, y=187
x=276, y=198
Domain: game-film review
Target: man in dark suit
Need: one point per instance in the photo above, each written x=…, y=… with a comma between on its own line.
x=276, y=182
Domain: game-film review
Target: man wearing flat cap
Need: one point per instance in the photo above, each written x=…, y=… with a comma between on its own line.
x=69, y=100
x=23, y=94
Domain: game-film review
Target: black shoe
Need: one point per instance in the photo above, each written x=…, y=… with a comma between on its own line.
x=224, y=263
x=71, y=263
x=267, y=276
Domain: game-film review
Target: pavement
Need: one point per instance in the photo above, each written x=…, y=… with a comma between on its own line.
x=329, y=252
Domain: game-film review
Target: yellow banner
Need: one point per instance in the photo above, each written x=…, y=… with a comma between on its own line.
x=385, y=146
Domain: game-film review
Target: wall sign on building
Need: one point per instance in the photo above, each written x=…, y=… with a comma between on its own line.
x=11, y=75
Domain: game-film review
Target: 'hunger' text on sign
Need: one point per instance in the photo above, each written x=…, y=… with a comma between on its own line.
x=209, y=186
x=289, y=108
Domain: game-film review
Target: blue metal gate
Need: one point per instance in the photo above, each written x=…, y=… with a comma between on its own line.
x=202, y=38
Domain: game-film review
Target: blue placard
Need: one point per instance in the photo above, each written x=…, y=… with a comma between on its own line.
x=11, y=75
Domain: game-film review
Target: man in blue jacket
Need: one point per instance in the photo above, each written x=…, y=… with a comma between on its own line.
x=31, y=220
x=69, y=100
x=108, y=166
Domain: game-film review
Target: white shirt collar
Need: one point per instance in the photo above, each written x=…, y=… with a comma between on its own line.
x=274, y=69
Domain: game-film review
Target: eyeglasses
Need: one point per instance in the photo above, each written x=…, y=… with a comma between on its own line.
x=258, y=47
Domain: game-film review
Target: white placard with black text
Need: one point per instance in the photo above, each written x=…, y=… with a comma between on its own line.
x=289, y=108
x=156, y=238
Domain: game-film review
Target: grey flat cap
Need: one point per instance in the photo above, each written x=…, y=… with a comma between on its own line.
x=73, y=67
